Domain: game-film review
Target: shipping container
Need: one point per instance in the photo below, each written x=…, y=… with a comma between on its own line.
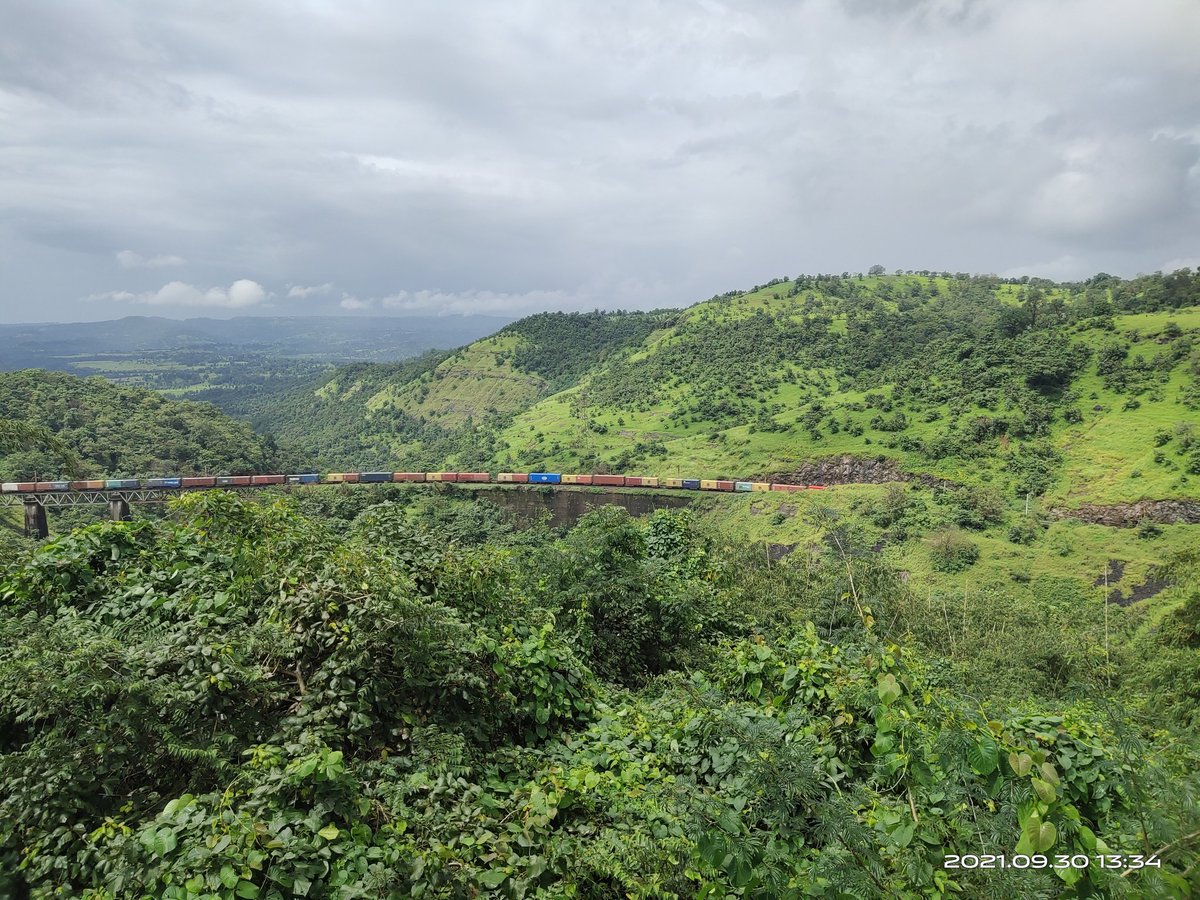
x=816, y=487
x=760, y=487
x=512, y=477
x=475, y=477
x=545, y=478
x=163, y=482
x=672, y=482
x=742, y=487
x=691, y=484
x=375, y=477
x=725, y=485
x=200, y=481
x=121, y=484
x=9, y=487
x=305, y=478
x=234, y=480
x=94, y=485
x=53, y=485
x=789, y=487
x=577, y=479
x=708, y=484
x=268, y=479
x=441, y=476
x=609, y=480
x=408, y=476
x=25, y=487
x=333, y=478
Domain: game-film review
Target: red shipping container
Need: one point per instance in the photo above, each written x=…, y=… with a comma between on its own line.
x=609, y=480
x=633, y=481
x=725, y=485
x=475, y=477
x=816, y=487
x=266, y=479
x=408, y=476
x=199, y=481
x=789, y=487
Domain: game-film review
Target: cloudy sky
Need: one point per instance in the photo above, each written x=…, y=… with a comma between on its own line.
x=286, y=157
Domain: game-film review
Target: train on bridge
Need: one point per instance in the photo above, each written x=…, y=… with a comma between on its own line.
x=535, y=478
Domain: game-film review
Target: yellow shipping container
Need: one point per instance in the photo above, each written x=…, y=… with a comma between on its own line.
x=333, y=478
x=652, y=481
x=760, y=486
x=672, y=482
x=504, y=477
x=570, y=479
x=707, y=484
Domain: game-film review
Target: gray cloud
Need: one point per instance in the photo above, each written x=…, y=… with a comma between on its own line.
x=508, y=157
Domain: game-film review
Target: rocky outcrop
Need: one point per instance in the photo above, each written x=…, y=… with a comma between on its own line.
x=1127, y=515
x=850, y=470
x=564, y=506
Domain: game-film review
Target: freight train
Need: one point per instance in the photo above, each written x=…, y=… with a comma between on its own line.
x=539, y=478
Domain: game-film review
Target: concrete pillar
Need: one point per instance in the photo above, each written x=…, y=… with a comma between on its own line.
x=36, y=525
x=118, y=509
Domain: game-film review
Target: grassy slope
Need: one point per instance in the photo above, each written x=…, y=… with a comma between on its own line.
x=1102, y=453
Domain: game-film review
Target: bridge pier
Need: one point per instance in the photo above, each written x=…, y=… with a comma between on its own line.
x=36, y=525
x=118, y=509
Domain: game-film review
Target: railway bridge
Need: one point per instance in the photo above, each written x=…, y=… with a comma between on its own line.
x=118, y=494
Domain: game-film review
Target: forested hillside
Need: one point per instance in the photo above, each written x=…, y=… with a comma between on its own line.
x=125, y=432
x=1084, y=392
x=444, y=405
x=242, y=701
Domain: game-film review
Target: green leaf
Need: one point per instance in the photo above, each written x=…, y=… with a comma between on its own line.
x=329, y=832
x=1087, y=837
x=984, y=757
x=492, y=878
x=888, y=689
x=1044, y=790
x=1020, y=763
x=246, y=889
x=228, y=877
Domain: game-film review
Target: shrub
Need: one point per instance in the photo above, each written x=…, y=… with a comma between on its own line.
x=952, y=551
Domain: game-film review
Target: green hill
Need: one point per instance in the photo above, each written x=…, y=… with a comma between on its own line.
x=1082, y=393
x=125, y=432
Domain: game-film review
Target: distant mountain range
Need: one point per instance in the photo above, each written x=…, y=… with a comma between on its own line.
x=69, y=346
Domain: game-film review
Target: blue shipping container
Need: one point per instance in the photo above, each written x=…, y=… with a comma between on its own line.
x=121, y=484
x=164, y=482
x=545, y=478
x=303, y=479
x=691, y=484
x=742, y=486
x=374, y=477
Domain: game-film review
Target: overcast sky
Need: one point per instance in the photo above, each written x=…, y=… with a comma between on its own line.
x=243, y=156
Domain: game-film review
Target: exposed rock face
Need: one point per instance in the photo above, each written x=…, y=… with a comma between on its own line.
x=1126, y=515
x=565, y=506
x=849, y=470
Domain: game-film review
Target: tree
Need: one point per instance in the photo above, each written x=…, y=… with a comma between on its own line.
x=875, y=270
x=16, y=436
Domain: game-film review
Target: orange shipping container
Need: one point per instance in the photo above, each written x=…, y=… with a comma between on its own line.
x=475, y=477
x=789, y=487
x=408, y=476
x=609, y=480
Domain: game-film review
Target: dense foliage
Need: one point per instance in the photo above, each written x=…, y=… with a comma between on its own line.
x=121, y=431
x=241, y=701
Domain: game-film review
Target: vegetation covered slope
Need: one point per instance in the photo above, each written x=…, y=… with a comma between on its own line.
x=1084, y=392
x=443, y=407
x=123, y=432
x=967, y=379
x=244, y=702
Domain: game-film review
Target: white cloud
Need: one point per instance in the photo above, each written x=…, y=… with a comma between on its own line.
x=314, y=290
x=353, y=303
x=128, y=259
x=479, y=302
x=241, y=294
